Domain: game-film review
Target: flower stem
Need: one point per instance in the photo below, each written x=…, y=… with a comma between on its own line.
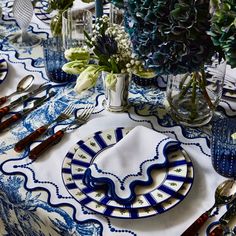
x=193, y=114
x=203, y=85
x=185, y=89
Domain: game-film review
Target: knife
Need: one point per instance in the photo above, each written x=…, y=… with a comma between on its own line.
x=20, y=100
x=25, y=112
x=224, y=220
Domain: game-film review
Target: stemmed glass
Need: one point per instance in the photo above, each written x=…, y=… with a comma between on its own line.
x=23, y=13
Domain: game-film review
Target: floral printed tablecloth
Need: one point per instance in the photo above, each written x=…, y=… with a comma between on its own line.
x=33, y=197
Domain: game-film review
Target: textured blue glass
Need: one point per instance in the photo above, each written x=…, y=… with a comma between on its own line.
x=223, y=147
x=54, y=59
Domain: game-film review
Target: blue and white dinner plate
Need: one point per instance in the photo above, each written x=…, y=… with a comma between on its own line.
x=170, y=187
x=3, y=69
x=167, y=181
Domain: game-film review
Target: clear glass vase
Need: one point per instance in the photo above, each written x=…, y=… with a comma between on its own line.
x=193, y=97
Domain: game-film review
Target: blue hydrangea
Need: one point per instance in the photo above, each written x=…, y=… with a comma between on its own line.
x=170, y=35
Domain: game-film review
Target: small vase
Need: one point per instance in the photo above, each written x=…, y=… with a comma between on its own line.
x=193, y=97
x=56, y=24
x=116, y=100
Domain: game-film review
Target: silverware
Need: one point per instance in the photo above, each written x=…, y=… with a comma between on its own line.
x=20, y=100
x=224, y=220
x=5, y=124
x=23, y=143
x=57, y=137
x=224, y=194
x=23, y=85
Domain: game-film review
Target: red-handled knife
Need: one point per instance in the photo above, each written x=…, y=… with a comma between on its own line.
x=5, y=124
x=20, y=100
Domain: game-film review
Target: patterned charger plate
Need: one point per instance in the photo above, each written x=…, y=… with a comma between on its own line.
x=3, y=69
x=170, y=186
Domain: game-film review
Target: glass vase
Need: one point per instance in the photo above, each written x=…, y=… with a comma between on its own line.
x=194, y=96
x=56, y=24
x=116, y=100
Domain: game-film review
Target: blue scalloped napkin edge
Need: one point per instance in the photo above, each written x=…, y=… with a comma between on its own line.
x=108, y=184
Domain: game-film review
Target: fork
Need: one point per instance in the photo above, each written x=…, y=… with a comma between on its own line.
x=23, y=143
x=57, y=137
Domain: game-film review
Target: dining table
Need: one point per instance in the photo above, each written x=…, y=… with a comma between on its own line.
x=45, y=197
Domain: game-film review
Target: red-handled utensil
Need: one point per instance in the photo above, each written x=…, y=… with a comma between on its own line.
x=224, y=194
x=57, y=137
x=5, y=124
x=24, y=84
x=23, y=143
x=20, y=100
x=42, y=147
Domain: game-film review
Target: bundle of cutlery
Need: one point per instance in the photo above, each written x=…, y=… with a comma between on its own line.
x=19, y=115
x=5, y=110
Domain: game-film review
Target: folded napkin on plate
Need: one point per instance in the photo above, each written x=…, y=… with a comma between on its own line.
x=129, y=163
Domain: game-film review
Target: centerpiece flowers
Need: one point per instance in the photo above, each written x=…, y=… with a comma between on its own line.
x=108, y=50
x=56, y=22
x=189, y=41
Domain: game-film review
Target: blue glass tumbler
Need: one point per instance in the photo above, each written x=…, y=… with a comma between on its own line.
x=54, y=59
x=223, y=147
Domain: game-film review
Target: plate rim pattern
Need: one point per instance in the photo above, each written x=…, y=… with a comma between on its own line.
x=126, y=213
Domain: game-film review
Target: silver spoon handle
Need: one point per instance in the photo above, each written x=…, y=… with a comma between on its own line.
x=5, y=98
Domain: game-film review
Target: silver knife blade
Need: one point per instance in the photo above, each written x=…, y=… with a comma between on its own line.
x=37, y=103
x=27, y=96
x=19, y=115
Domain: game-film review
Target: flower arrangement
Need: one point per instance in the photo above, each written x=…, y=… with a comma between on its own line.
x=56, y=21
x=108, y=49
x=173, y=36
x=183, y=39
x=223, y=29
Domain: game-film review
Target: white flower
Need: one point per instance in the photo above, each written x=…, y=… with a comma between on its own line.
x=87, y=79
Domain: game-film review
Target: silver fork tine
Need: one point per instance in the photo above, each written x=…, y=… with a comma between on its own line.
x=57, y=137
x=19, y=146
x=69, y=109
x=86, y=112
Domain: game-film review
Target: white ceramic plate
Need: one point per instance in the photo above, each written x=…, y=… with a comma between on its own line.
x=156, y=198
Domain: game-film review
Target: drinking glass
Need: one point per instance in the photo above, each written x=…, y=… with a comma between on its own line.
x=223, y=146
x=54, y=59
x=74, y=23
x=116, y=15
x=23, y=12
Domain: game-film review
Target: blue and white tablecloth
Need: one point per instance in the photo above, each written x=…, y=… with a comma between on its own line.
x=33, y=197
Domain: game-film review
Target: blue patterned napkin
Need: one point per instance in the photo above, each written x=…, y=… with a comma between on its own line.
x=129, y=163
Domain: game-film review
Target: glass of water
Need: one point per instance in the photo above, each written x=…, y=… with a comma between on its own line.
x=74, y=23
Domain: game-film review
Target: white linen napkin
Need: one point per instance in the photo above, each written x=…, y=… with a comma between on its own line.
x=129, y=163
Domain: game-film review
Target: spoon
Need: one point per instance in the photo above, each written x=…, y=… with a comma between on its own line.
x=224, y=194
x=24, y=84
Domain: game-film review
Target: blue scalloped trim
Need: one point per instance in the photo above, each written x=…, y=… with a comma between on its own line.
x=94, y=182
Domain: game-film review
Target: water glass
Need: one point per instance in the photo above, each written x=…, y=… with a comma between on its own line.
x=54, y=59
x=74, y=23
x=223, y=147
x=116, y=15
